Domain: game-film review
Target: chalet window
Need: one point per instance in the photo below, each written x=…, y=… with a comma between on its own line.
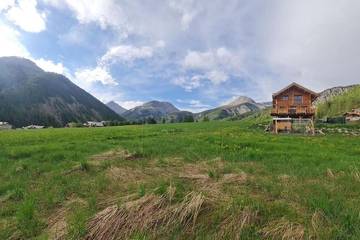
x=298, y=99
x=285, y=98
x=292, y=110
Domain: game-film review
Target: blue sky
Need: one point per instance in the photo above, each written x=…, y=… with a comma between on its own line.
x=196, y=54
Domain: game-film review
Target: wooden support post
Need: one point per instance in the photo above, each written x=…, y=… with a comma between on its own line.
x=312, y=126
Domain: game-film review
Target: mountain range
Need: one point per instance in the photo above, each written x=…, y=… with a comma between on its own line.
x=238, y=108
x=116, y=107
x=166, y=112
x=151, y=110
x=29, y=95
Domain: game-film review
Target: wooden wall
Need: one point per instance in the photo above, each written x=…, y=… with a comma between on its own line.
x=281, y=106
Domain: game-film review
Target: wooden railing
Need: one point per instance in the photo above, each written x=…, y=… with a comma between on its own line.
x=293, y=111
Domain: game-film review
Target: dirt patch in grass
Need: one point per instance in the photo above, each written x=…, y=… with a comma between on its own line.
x=125, y=174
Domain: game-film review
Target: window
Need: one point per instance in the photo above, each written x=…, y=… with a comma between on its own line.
x=298, y=99
x=292, y=110
x=285, y=98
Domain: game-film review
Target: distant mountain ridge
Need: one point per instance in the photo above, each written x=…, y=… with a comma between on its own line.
x=153, y=109
x=337, y=101
x=238, y=108
x=116, y=107
x=330, y=93
x=29, y=95
x=166, y=112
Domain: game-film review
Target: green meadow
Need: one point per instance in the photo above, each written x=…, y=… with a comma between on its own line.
x=209, y=180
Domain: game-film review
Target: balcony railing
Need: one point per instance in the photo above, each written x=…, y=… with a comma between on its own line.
x=293, y=111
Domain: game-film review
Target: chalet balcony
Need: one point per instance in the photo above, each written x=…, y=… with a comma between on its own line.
x=293, y=111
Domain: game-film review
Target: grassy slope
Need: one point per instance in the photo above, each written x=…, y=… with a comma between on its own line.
x=340, y=104
x=297, y=182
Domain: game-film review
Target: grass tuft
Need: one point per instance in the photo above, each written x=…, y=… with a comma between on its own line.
x=283, y=229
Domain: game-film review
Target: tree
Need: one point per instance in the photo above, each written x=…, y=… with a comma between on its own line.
x=189, y=118
x=206, y=119
x=151, y=120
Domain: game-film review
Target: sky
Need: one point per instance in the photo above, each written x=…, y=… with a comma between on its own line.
x=197, y=54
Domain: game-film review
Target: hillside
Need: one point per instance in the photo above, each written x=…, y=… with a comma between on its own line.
x=207, y=180
x=116, y=107
x=151, y=110
x=330, y=93
x=237, y=109
x=29, y=95
x=340, y=103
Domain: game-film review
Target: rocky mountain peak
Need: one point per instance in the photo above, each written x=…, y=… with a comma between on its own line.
x=240, y=100
x=116, y=107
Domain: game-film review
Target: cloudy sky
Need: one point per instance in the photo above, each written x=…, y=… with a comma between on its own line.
x=196, y=54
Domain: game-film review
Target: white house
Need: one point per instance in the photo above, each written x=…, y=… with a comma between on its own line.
x=5, y=126
x=353, y=116
x=33, y=127
x=94, y=124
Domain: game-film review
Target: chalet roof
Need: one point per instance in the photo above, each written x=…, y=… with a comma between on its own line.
x=294, y=84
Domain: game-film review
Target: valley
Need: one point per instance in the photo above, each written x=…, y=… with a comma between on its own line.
x=228, y=180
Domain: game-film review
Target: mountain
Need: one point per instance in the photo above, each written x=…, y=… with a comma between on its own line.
x=29, y=95
x=338, y=100
x=116, y=107
x=240, y=100
x=154, y=110
x=330, y=93
x=238, y=108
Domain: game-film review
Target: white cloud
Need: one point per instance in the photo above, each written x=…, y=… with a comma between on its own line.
x=130, y=104
x=89, y=76
x=187, y=11
x=193, y=105
x=314, y=42
x=10, y=42
x=217, y=77
x=215, y=65
x=212, y=59
x=103, y=12
x=188, y=83
x=50, y=66
x=5, y=4
x=26, y=15
x=200, y=60
x=126, y=54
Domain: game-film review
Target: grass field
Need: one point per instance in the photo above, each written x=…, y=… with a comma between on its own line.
x=211, y=180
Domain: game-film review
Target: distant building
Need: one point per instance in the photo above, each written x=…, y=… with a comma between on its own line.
x=95, y=124
x=292, y=108
x=33, y=127
x=5, y=126
x=352, y=116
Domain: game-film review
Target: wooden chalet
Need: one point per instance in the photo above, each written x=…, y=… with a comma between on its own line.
x=292, y=106
x=352, y=116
